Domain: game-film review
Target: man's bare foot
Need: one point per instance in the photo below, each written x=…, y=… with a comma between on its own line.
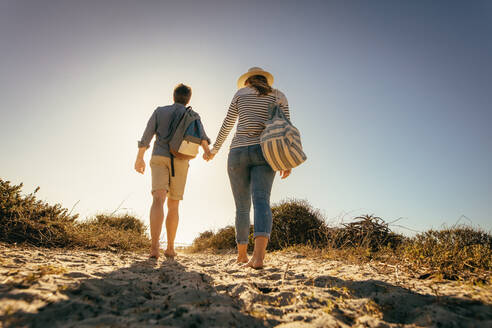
x=154, y=253
x=242, y=259
x=255, y=263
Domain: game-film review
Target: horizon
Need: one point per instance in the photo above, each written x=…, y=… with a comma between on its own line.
x=392, y=100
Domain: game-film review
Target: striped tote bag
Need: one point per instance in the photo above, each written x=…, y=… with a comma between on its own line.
x=281, y=141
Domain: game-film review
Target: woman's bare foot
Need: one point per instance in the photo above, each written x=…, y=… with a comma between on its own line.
x=154, y=253
x=255, y=263
x=170, y=253
x=242, y=259
x=242, y=253
x=259, y=251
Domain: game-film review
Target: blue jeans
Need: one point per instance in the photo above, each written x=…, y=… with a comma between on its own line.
x=251, y=177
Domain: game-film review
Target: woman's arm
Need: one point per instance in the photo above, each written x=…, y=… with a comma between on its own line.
x=227, y=125
x=284, y=104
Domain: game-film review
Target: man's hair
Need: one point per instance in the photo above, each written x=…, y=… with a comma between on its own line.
x=182, y=94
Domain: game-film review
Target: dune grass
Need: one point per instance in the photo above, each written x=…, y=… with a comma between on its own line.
x=452, y=252
x=26, y=220
x=457, y=253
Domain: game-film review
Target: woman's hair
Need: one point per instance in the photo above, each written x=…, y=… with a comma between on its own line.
x=260, y=83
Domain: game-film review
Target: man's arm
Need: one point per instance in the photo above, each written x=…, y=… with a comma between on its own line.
x=205, y=146
x=144, y=143
x=139, y=162
x=205, y=140
x=149, y=132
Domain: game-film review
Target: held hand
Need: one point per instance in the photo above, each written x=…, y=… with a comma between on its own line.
x=140, y=165
x=208, y=156
x=285, y=173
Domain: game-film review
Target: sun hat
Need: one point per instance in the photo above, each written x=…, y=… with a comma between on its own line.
x=254, y=71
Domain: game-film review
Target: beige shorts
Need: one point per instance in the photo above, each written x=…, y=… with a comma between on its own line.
x=160, y=166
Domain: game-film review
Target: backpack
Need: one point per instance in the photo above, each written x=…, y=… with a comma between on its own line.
x=280, y=141
x=185, y=140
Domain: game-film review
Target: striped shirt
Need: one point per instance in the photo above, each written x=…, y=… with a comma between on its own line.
x=252, y=111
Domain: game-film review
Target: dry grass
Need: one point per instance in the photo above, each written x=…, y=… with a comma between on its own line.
x=106, y=232
x=26, y=220
x=458, y=253
x=452, y=253
x=368, y=232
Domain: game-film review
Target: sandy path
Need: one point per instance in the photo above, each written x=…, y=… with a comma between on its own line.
x=59, y=288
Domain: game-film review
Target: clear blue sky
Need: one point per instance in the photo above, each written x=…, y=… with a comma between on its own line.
x=392, y=98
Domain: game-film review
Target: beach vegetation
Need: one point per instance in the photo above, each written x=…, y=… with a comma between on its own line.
x=449, y=252
x=222, y=240
x=459, y=252
x=26, y=220
x=296, y=222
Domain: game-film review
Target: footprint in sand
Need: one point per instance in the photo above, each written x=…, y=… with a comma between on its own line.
x=76, y=274
x=275, y=276
x=203, y=264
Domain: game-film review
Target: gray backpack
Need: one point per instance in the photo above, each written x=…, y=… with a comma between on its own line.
x=185, y=139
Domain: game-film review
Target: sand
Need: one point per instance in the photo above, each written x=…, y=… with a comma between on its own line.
x=75, y=288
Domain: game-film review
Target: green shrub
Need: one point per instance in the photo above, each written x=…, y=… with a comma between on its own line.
x=225, y=238
x=202, y=242
x=295, y=222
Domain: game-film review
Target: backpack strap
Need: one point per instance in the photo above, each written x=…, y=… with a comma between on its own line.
x=183, y=116
x=172, y=165
x=172, y=156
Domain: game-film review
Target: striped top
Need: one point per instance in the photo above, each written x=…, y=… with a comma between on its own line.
x=252, y=111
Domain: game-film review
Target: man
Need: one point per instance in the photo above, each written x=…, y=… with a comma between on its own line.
x=165, y=184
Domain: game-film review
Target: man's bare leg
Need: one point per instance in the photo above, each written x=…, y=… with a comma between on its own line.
x=242, y=253
x=156, y=219
x=172, y=220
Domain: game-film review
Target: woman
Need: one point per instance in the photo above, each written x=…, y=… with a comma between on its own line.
x=250, y=175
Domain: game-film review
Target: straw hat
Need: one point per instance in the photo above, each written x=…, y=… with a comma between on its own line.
x=254, y=71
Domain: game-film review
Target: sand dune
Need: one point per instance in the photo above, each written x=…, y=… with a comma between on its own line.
x=69, y=288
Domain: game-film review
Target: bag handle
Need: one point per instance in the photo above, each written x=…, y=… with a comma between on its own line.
x=273, y=108
x=277, y=111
